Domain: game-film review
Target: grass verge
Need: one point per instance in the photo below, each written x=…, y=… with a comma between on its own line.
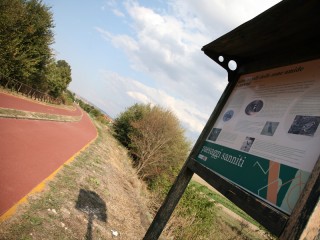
x=199, y=215
x=13, y=113
x=226, y=203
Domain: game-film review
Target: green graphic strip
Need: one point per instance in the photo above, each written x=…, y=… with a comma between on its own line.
x=246, y=170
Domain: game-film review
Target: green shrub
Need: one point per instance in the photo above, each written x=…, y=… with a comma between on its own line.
x=155, y=140
x=122, y=125
x=195, y=215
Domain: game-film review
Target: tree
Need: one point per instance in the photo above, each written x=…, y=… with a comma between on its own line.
x=65, y=72
x=58, y=77
x=25, y=39
x=12, y=17
x=37, y=41
x=158, y=143
x=122, y=126
x=154, y=138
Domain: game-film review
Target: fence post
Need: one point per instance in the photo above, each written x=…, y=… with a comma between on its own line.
x=172, y=199
x=19, y=87
x=7, y=83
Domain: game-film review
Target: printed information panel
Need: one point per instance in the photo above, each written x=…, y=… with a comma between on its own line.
x=266, y=139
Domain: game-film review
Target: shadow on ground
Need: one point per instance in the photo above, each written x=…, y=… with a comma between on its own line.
x=92, y=204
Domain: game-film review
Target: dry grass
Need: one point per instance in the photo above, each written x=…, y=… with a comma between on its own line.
x=19, y=114
x=103, y=168
x=223, y=225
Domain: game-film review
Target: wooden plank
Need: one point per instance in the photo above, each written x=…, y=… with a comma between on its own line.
x=271, y=218
x=268, y=61
x=169, y=204
x=304, y=207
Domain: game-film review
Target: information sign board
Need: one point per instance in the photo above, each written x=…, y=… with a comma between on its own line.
x=266, y=139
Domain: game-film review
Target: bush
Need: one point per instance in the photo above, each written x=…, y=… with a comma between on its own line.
x=155, y=140
x=122, y=125
x=67, y=97
x=92, y=111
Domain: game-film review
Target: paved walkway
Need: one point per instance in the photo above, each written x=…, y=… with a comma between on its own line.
x=24, y=104
x=30, y=151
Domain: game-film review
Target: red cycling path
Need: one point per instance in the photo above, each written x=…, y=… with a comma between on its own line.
x=24, y=104
x=32, y=150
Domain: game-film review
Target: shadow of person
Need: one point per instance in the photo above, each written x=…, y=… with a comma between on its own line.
x=91, y=203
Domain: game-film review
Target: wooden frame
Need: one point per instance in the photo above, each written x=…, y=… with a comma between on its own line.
x=283, y=35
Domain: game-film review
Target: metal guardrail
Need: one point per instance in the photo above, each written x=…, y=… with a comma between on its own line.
x=24, y=89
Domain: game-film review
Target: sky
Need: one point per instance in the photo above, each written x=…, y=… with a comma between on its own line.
x=142, y=51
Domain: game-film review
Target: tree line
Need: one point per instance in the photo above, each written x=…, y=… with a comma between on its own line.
x=26, y=34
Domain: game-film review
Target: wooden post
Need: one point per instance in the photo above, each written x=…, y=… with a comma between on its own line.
x=19, y=87
x=7, y=83
x=169, y=204
x=305, y=206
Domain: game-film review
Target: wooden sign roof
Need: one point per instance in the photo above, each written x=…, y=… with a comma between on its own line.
x=285, y=34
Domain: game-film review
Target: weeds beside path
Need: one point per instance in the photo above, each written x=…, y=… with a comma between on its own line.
x=18, y=114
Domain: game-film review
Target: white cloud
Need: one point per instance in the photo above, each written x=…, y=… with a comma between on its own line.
x=130, y=90
x=219, y=16
x=140, y=97
x=166, y=47
x=111, y=3
x=118, y=13
x=123, y=42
